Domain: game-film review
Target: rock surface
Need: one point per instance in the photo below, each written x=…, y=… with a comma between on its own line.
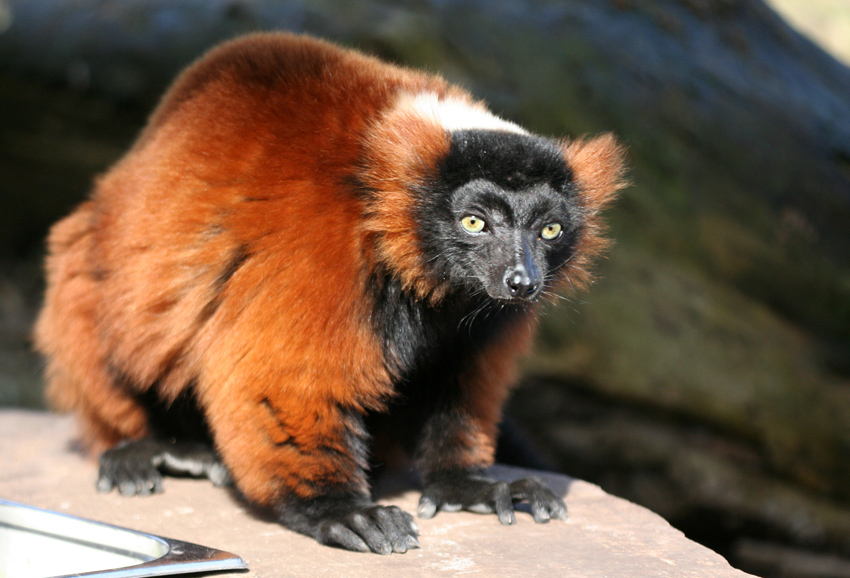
x=604, y=535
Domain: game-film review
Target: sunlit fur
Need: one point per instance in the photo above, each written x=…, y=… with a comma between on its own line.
x=259, y=250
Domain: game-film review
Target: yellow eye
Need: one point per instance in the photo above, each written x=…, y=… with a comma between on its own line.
x=472, y=224
x=551, y=232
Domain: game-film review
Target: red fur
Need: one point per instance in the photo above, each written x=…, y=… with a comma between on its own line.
x=598, y=168
x=229, y=249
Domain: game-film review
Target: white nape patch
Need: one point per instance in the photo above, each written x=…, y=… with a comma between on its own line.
x=453, y=114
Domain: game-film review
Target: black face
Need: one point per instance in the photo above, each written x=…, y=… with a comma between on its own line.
x=504, y=217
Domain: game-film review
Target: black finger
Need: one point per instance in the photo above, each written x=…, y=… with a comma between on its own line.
x=558, y=509
x=503, y=504
x=394, y=526
x=104, y=483
x=544, y=503
x=536, y=494
x=427, y=507
x=368, y=530
x=336, y=534
x=146, y=480
x=126, y=484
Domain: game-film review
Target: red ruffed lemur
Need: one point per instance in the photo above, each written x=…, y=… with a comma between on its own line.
x=307, y=260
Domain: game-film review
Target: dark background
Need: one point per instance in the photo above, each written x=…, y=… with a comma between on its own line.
x=707, y=372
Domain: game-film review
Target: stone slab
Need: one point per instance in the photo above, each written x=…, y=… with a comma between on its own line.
x=604, y=536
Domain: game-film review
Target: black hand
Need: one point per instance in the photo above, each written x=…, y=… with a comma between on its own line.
x=352, y=523
x=452, y=491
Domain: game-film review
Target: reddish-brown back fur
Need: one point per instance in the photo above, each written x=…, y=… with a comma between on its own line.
x=187, y=265
x=229, y=250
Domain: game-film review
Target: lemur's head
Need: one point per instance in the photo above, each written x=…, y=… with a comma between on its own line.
x=470, y=203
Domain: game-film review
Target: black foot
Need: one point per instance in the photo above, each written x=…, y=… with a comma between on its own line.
x=452, y=491
x=354, y=525
x=135, y=467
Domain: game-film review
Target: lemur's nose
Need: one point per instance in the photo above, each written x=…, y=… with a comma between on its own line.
x=520, y=283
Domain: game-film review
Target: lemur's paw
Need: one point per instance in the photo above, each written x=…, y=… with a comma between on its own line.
x=135, y=467
x=472, y=491
x=380, y=529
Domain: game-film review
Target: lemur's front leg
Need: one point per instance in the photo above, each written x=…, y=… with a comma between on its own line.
x=307, y=466
x=453, y=453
